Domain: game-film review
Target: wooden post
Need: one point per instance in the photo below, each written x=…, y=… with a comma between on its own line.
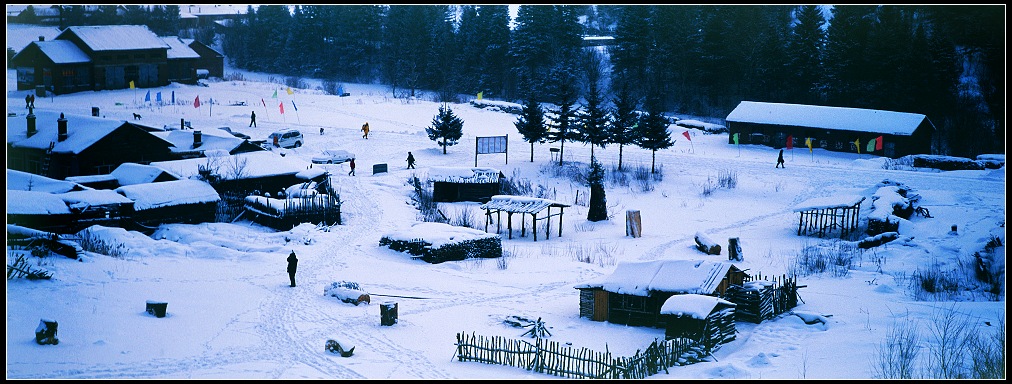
x=633, y=225
x=561, y=211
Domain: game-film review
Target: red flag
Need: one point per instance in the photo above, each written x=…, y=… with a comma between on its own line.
x=196, y=102
x=878, y=143
x=790, y=142
x=686, y=134
x=282, y=107
x=264, y=102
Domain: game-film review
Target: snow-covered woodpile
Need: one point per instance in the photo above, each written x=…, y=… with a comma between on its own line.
x=706, y=245
x=891, y=203
x=303, y=203
x=760, y=300
x=347, y=291
x=439, y=242
x=452, y=184
x=951, y=163
x=706, y=319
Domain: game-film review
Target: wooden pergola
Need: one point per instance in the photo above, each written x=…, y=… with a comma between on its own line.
x=523, y=205
x=827, y=214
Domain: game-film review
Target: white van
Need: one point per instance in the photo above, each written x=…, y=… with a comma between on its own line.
x=289, y=138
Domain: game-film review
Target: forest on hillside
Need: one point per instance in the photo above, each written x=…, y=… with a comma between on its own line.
x=946, y=62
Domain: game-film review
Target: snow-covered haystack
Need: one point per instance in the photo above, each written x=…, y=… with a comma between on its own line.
x=439, y=242
x=347, y=291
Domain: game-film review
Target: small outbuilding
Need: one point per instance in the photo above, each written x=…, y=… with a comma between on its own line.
x=706, y=319
x=453, y=184
x=524, y=205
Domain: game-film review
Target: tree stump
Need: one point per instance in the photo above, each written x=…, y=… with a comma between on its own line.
x=734, y=249
x=156, y=308
x=45, y=333
x=388, y=313
x=633, y=225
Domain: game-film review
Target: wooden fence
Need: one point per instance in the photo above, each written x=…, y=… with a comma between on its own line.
x=549, y=357
x=760, y=299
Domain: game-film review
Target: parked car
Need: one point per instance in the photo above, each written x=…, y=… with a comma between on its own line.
x=236, y=134
x=288, y=138
x=333, y=156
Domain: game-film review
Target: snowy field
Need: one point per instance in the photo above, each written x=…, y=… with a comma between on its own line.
x=232, y=315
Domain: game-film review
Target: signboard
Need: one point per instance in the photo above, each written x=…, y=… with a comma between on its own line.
x=491, y=144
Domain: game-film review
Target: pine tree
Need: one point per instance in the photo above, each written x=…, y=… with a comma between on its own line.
x=446, y=128
x=653, y=130
x=806, y=42
x=593, y=120
x=598, y=208
x=531, y=124
x=623, y=122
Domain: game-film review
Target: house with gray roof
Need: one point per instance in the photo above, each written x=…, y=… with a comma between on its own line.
x=883, y=133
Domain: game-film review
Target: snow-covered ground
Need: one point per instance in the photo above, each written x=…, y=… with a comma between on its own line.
x=231, y=313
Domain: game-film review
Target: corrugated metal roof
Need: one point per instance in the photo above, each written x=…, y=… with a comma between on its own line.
x=116, y=37
x=520, y=204
x=675, y=276
x=836, y=118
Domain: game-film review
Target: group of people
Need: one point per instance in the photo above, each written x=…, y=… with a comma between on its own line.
x=29, y=101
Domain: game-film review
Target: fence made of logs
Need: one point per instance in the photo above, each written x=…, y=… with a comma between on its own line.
x=550, y=357
x=760, y=299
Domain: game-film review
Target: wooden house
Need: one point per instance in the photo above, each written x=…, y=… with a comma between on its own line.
x=635, y=292
x=59, y=146
x=198, y=143
x=181, y=61
x=97, y=207
x=706, y=319
x=247, y=172
x=453, y=184
x=38, y=210
x=892, y=134
x=210, y=60
x=180, y=201
x=125, y=174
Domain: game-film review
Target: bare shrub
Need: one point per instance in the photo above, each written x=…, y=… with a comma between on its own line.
x=727, y=178
x=517, y=186
x=93, y=243
x=897, y=354
x=331, y=87
x=600, y=254
x=568, y=170
x=987, y=353
x=462, y=217
x=296, y=82
x=235, y=76
x=932, y=282
x=836, y=258
x=950, y=345
x=428, y=210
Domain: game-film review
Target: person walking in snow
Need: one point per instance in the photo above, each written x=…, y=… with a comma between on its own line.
x=28, y=100
x=411, y=161
x=293, y=264
x=32, y=101
x=365, y=130
x=780, y=160
x=253, y=118
x=352, y=164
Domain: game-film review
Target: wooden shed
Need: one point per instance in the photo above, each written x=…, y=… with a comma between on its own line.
x=453, y=184
x=635, y=292
x=706, y=319
x=831, y=128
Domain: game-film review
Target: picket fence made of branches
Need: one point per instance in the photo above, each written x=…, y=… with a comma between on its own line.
x=549, y=357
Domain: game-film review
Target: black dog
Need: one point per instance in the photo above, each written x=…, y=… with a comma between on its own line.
x=137, y=116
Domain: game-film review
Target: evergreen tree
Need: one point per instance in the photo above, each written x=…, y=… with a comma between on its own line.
x=446, y=128
x=846, y=56
x=653, y=130
x=563, y=119
x=104, y=15
x=622, y=127
x=593, y=120
x=531, y=124
x=494, y=27
x=632, y=46
x=28, y=16
x=598, y=208
x=353, y=35
x=806, y=42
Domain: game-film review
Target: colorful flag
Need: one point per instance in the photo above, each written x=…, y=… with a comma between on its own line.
x=878, y=143
x=479, y=95
x=340, y=90
x=131, y=84
x=736, y=139
x=857, y=143
x=686, y=134
x=281, y=106
x=290, y=90
x=158, y=97
x=808, y=142
x=790, y=142
x=871, y=145
x=147, y=96
x=293, y=106
x=275, y=94
x=196, y=102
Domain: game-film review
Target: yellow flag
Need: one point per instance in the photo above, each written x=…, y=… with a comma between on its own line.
x=131, y=84
x=857, y=143
x=290, y=91
x=808, y=142
x=479, y=95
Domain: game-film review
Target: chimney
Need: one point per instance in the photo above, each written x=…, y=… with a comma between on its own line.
x=31, y=123
x=61, y=128
x=196, y=139
x=42, y=38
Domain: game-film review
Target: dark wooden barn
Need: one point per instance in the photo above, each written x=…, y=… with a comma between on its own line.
x=635, y=292
x=453, y=184
x=59, y=146
x=830, y=128
x=180, y=201
x=708, y=320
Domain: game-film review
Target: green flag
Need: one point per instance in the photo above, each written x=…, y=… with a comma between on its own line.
x=871, y=145
x=275, y=94
x=735, y=138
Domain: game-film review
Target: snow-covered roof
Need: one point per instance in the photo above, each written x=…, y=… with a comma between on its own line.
x=169, y=193
x=828, y=202
x=82, y=131
x=63, y=52
x=438, y=234
x=210, y=139
x=520, y=204
x=837, y=118
x=24, y=181
x=464, y=175
x=692, y=305
x=116, y=37
x=248, y=164
x=94, y=197
x=133, y=173
x=677, y=276
x=35, y=203
x=20, y=35
x=179, y=48
x=311, y=173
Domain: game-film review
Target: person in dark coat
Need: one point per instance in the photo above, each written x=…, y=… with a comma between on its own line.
x=32, y=100
x=352, y=164
x=28, y=100
x=780, y=160
x=253, y=118
x=411, y=161
x=293, y=264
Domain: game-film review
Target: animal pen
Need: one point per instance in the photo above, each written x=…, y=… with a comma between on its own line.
x=524, y=206
x=822, y=216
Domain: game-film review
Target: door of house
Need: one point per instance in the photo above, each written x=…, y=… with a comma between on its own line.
x=600, y=305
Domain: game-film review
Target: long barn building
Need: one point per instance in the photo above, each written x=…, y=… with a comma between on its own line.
x=884, y=133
